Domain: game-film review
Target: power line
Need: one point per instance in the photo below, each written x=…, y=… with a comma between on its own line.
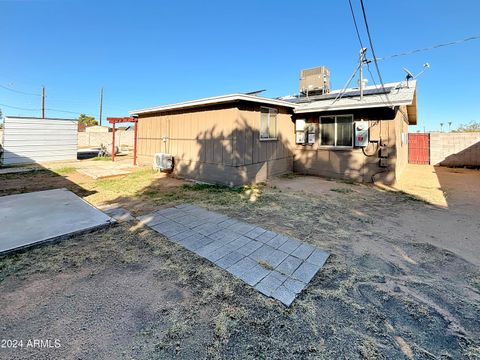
x=49, y=109
x=18, y=91
x=19, y=108
x=411, y=52
x=355, y=23
x=360, y=40
x=373, y=51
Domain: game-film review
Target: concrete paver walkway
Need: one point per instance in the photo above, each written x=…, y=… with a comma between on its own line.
x=276, y=265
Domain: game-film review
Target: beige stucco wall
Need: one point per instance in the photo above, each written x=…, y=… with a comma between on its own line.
x=217, y=144
x=401, y=141
x=353, y=163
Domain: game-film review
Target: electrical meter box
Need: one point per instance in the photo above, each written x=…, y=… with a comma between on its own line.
x=311, y=134
x=361, y=133
x=300, y=137
x=300, y=125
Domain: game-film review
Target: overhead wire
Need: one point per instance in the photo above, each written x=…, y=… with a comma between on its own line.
x=433, y=47
x=18, y=91
x=373, y=52
x=49, y=109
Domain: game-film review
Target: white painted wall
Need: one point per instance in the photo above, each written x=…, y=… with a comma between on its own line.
x=34, y=140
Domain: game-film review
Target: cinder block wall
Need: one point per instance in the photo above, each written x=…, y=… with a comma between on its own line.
x=95, y=139
x=455, y=149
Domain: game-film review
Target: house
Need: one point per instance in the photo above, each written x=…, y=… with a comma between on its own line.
x=243, y=138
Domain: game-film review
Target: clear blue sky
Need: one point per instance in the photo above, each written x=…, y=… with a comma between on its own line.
x=152, y=53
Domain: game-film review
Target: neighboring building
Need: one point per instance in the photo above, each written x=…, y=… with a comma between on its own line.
x=97, y=129
x=243, y=138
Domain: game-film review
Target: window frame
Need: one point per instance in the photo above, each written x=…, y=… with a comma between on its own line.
x=334, y=147
x=270, y=109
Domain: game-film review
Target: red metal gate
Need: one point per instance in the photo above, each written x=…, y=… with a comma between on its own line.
x=419, y=148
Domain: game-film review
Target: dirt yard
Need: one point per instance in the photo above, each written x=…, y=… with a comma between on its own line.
x=400, y=283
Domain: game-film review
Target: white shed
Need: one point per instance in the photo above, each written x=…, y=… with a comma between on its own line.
x=36, y=140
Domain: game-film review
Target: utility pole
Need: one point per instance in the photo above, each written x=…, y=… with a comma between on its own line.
x=361, y=61
x=43, y=102
x=101, y=104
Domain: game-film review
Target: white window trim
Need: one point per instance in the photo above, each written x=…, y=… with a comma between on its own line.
x=276, y=123
x=333, y=147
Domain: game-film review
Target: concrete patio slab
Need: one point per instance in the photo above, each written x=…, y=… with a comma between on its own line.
x=37, y=217
x=275, y=265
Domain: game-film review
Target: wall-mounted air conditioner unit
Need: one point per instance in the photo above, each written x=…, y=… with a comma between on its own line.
x=163, y=162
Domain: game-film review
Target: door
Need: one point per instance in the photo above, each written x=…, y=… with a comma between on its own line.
x=419, y=148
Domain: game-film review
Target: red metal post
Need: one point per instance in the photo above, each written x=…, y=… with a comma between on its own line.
x=135, y=144
x=113, y=142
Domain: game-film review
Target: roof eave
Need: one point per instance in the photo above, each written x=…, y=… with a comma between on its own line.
x=349, y=107
x=213, y=101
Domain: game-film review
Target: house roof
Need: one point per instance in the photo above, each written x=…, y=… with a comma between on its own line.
x=396, y=94
x=214, y=100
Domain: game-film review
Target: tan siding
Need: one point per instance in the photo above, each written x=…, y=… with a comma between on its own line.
x=216, y=143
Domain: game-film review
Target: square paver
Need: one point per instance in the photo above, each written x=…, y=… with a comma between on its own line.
x=262, y=253
x=207, y=249
x=241, y=267
x=266, y=236
x=289, y=265
x=305, y=272
x=318, y=257
x=277, y=241
x=274, y=264
x=249, y=247
x=254, y=233
x=294, y=285
x=220, y=252
x=303, y=251
x=229, y=260
x=270, y=283
x=182, y=235
x=290, y=246
x=284, y=295
x=255, y=275
x=207, y=228
x=169, y=228
x=276, y=258
x=152, y=219
x=195, y=242
x=224, y=235
x=241, y=228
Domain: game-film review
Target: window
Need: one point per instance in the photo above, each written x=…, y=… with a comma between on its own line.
x=336, y=131
x=268, y=123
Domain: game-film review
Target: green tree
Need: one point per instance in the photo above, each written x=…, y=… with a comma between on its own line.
x=87, y=120
x=473, y=126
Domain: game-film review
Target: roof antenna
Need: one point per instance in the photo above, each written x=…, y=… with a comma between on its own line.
x=410, y=76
